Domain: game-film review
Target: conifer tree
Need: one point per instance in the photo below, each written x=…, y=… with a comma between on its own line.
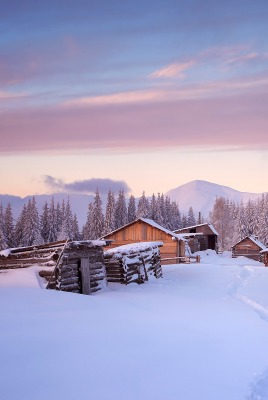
x=109, y=223
x=44, y=223
x=66, y=231
x=131, y=211
x=8, y=226
x=52, y=222
x=76, y=233
x=143, y=207
x=191, y=221
x=97, y=217
x=153, y=208
x=31, y=231
x=121, y=217
x=86, y=231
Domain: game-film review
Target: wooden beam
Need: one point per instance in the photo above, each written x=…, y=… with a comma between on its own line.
x=85, y=275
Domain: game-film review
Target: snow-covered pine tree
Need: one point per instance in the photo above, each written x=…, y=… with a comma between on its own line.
x=86, y=231
x=8, y=226
x=191, y=221
x=3, y=243
x=52, y=222
x=175, y=216
x=31, y=231
x=153, y=208
x=109, y=222
x=76, y=233
x=131, y=211
x=163, y=210
x=168, y=214
x=44, y=223
x=121, y=217
x=158, y=212
x=97, y=217
x=183, y=221
x=19, y=235
x=143, y=207
x=66, y=231
x=60, y=212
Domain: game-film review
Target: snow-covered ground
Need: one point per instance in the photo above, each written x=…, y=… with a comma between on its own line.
x=199, y=333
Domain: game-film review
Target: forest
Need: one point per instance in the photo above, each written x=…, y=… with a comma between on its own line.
x=57, y=221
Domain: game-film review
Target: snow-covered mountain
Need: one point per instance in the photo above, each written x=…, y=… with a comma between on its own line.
x=201, y=195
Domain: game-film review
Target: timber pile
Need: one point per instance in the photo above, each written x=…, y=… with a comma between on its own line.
x=133, y=263
x=81, y=268
x=44, y=255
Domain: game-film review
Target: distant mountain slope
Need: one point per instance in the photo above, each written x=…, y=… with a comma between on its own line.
x=201, y=196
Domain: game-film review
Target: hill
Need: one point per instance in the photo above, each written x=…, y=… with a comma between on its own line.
x=201, y=195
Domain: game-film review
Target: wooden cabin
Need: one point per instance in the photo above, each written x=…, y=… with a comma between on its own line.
x=205, y=234
x=249, y=247
x=146, y=230
x=264, y=256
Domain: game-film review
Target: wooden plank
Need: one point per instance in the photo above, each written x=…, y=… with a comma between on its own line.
x=85, y=275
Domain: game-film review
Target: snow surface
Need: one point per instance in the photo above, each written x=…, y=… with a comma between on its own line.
x=199, y=333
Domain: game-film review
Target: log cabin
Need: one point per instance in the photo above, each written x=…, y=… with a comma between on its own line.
x=147, y=230
x=264, y=256
x=249, y=247
x=205, y=234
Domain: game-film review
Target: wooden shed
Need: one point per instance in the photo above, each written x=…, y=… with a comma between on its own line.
x=146, y=230
x=249, y=247
x=205, y=234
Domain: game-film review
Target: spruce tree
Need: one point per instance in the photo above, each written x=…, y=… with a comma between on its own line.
x=8, y=226
x=109, y=223
x=44, y=223
x=97, y=217
x=143, y=207
x=121, y=217
x=191, y=221
x=131, y=211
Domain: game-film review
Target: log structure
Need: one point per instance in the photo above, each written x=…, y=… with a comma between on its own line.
x=249, y=247
x=133, y=263
x=75, y=266
x=44, y=255
x=81, y=268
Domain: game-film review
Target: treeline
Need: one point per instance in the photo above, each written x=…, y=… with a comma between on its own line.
x=57, y=221
x=236, y=221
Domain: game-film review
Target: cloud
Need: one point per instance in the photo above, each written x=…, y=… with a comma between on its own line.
x=87, y=186
x=175, y=70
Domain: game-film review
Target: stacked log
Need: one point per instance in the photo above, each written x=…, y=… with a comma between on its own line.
x=133, y=263
x=23, y=257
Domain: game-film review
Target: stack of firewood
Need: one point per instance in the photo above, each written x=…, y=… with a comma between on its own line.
x=133, y=263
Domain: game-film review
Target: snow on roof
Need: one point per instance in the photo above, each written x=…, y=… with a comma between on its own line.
x=133, y=247
x=254, y=239
x=265, y=250
x=196, y=226
x=153, y=224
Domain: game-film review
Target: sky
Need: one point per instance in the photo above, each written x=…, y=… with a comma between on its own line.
x=147, y=95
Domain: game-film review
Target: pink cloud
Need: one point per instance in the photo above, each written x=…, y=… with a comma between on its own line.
x=228, y=122
x=175, y=70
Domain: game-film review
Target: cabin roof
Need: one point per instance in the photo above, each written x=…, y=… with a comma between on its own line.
x=254, y=240
x=151, y=223
x=265, y=250
x=199, y=225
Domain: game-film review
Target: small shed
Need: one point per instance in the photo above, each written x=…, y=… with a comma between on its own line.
x=205, y=234
x=249, y=247
x=147, y=230
x=264, y=256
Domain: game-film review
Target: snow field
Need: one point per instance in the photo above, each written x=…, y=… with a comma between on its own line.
x=195, y=334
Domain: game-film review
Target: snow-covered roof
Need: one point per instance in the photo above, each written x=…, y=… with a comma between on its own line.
x=265, y=250
x=134, y=247
x=151, y=223
x=196, y=226
x=255, y=240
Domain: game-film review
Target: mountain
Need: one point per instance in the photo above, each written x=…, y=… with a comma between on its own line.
x=201, y=196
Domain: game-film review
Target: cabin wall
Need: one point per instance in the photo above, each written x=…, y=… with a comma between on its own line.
x=142, y=232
